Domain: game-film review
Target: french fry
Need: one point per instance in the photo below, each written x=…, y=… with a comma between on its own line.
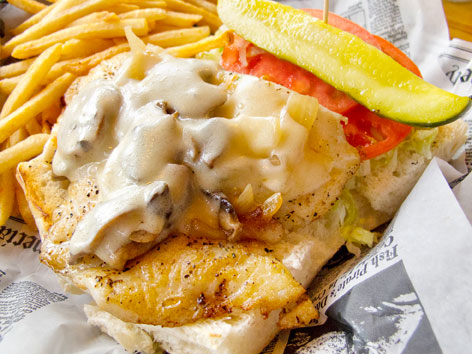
x=23, y=207
x=119, y=40
x=208, y=43
x=31, y=79
x=15, y=69
x=209, y=6
x=82, y=66
x=78, y=48
x=33, y=127
x=158, y=26
x=16, y=137
x=23, y=151
x=121, y=8
x=179, y=19
x=106, y=16
x=8, y=85
x=30, y=6
x=177, y=37
x=87, y=31
x=151, y=4
x=49, y=117
x=147, y=3
x=32, y=20
x=148, y=14
x=35, y=106
x=56, y=20
x=45, y=127
x=7, y=195
x=57, y=70
x=60, y=7
x=209, y=18
x=92, y=30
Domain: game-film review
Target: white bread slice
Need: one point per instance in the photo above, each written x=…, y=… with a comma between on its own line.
x=380, y=192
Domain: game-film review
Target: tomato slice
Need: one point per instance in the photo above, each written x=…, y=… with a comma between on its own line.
x=400, y=57
x=369, y=133
x=373, y=135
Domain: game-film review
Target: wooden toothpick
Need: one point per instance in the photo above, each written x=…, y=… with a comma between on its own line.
x=326, y=11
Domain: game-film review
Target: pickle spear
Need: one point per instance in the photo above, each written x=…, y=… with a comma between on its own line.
x=344, y=61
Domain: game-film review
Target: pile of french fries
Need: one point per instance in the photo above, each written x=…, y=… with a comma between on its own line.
x=64, y=40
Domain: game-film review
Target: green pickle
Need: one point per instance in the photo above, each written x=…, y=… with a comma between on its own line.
x=344, y=61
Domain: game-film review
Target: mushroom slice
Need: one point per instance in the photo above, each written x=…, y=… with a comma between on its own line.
x=82, y=125
x=227, y=217
x=136, y=213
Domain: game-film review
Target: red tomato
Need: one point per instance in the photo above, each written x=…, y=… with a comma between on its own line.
x=373, y=135
x=400, y=57
x=369, y=133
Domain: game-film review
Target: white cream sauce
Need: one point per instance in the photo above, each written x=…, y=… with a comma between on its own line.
x=176, y=147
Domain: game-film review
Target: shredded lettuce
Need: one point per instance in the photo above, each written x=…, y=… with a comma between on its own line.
x=389, y=159
x=358, y=235
x=421, y=141
x=213, y=54
x=354, y=235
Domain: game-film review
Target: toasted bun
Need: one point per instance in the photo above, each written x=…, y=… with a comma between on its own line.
x=380, y=193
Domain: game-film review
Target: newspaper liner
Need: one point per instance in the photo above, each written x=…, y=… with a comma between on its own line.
x=409, y=294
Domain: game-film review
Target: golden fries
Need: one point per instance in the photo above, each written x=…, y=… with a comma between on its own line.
x=121, y=8
x=189, y=50
x=33, y=127
x=209, y=18
x=52, y=23
x=147, y=3
x=204, y=4
x=15, y=69
x=35, y=106
x=31, y=79
x=79, y=48
x=32, y=20
x=16, y=137
x=30, y=6
x=178, y=37
x=7, y=195
x=148, y=14
x=95, y=17
x=92, y=30
x=23, y=151
x=67, y=39
x=49, y=117
x=9, y=84
x=179, y=19
x=82, y=66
